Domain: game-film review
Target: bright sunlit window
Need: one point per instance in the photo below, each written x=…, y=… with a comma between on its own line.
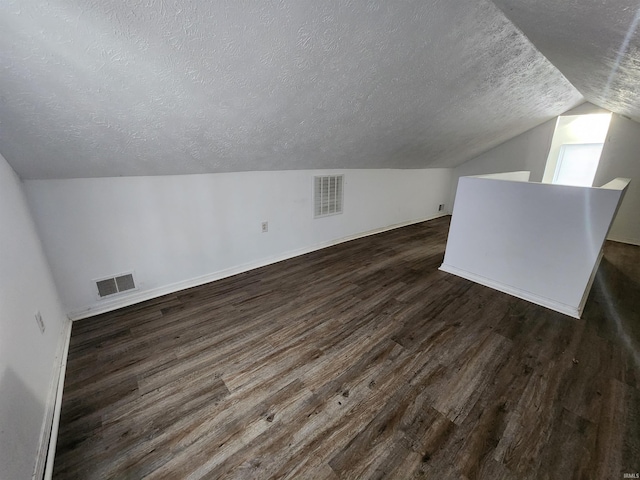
x=577, y=164
x=577, y=145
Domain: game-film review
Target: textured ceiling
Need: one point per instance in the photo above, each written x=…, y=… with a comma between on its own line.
x=594, y=43
x=106, y=88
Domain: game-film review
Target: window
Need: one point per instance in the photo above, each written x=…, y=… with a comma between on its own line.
x=327, y=195
x=577, y=164
x=575, y=149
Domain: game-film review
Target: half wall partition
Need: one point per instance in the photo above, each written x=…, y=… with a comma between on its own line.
x=537, y=241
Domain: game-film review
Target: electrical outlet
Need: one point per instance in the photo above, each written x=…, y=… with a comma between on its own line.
x=39, y=321
x=441, y=207
x=265, y=227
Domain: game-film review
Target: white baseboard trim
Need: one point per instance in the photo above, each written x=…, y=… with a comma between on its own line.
x=51, y=452
x=630, y=241
x=592, y=278
x=141, y=296
x=516, y=292
x=49, y=430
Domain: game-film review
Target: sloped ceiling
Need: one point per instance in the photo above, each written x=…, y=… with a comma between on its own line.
x=107, y=88
x=594, y=43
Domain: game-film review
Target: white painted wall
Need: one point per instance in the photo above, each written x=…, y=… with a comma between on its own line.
x=620, y=158
x=522, y=176
x=540, y=242
x=28, y=363
x=176, y=231
x=527, y=151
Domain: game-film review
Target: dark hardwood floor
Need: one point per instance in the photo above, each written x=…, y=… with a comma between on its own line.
x=358, y=361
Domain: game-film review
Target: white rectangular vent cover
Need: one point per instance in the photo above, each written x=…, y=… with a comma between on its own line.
x=112, y=285
x=327, y=195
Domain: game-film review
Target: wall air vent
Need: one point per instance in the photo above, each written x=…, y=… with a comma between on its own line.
x=327, y=195
x=114, y=285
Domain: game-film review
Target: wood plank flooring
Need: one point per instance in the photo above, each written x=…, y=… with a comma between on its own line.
x=358, y=361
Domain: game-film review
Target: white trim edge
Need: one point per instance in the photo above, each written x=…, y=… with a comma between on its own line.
x=49, y=434
x=141, y=296
x=592, y=278
x=516, y=292
x=630, y=241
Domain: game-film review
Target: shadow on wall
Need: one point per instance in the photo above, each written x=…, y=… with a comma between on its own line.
x=20, y=416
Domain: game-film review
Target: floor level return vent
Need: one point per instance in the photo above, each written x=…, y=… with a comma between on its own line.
x=114, y=285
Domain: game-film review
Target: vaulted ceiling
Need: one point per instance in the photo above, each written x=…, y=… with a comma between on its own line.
x=594, y=43
x=107, y=88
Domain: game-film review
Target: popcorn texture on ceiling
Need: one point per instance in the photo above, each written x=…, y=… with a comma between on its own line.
x=108, y=88
x=594, y=43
